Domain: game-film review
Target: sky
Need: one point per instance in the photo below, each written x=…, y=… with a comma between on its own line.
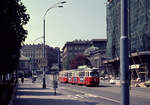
x=78, y=19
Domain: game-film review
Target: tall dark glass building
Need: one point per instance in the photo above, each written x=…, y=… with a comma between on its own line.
x=138, y=36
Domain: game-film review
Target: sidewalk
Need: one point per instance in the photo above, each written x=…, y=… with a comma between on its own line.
x=30, y=93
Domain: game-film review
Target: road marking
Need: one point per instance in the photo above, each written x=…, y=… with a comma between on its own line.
x=109, y=99
x=80, y=96
x=72, y=97
x=92, y=95
x=41, y=97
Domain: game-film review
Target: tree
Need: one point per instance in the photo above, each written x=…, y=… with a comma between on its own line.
x=12, y=18
x=80, y=60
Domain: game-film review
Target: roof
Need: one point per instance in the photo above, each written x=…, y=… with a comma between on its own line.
x=90, y=50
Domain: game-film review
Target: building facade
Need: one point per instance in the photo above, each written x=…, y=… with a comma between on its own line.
x=96, y=53
x=35, y=53
x=24, y=66
x=72, y=49
x=138, y=37
x=77, y=47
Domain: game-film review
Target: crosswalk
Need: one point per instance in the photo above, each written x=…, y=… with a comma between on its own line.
x=82, y=96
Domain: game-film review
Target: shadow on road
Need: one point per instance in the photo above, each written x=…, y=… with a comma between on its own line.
x=33, y=96
x=29, y=93
x=30, y=88
x=104, y=86
x=38, y=101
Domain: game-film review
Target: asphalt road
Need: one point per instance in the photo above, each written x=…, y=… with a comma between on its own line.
x=105, y=94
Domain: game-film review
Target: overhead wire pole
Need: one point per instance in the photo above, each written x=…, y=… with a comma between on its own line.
x=124, y=62
x=44, y=84
x=44, y=55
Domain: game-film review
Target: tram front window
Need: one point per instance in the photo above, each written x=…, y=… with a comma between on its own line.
x=94, y=74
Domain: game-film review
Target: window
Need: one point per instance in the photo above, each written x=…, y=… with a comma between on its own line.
x=94, y=74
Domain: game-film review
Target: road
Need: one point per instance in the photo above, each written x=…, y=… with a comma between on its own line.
x=105, y=94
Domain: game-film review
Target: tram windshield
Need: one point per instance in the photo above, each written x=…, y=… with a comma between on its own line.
x=94, y=74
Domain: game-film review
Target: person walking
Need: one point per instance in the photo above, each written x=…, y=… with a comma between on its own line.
x=22, y=79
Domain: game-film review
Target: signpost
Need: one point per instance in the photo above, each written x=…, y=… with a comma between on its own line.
x=43, y=64
x=55, y=82
x=55, y=69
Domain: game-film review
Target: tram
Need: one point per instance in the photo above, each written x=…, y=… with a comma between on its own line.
x=87, y=76
x=63, y=76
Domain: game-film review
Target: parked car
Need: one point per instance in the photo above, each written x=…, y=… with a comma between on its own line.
x=114, y=80
x=147, y=83
x=101, y=78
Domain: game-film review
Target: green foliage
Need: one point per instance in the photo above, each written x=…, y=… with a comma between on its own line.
x=12, y=18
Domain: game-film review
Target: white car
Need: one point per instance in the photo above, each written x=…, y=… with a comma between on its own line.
x=112, y=81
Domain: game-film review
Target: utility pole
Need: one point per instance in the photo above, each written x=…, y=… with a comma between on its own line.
x=44, y=55
x=124, y=63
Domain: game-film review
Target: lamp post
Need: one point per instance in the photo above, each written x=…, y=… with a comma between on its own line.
x=124, y=63
x=44, y=55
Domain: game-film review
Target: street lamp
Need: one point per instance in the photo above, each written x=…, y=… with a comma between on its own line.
x=44, y=55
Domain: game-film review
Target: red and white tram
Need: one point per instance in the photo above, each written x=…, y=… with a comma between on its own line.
x=63, y=76
x=86, y=76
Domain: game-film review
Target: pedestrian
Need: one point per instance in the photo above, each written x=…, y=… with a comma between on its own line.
x=22, y=79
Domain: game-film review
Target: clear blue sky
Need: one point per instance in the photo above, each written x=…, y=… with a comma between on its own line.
x=78, y=19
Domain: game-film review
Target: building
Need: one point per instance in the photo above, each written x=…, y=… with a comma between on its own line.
x=77, y=47
x=138, y=36
x=24, y=66
x=35, y=53
x=72, y=49
x=96, y=53
x=100, y=43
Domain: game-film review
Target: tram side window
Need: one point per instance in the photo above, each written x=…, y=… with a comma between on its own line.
x=81, y=74
x=70, y=74
x=66, y=74
x=87, y=74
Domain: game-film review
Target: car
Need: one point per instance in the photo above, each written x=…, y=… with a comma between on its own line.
x=147, y=83
x=115, y=81
x=112, y=81
x=101, y=78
